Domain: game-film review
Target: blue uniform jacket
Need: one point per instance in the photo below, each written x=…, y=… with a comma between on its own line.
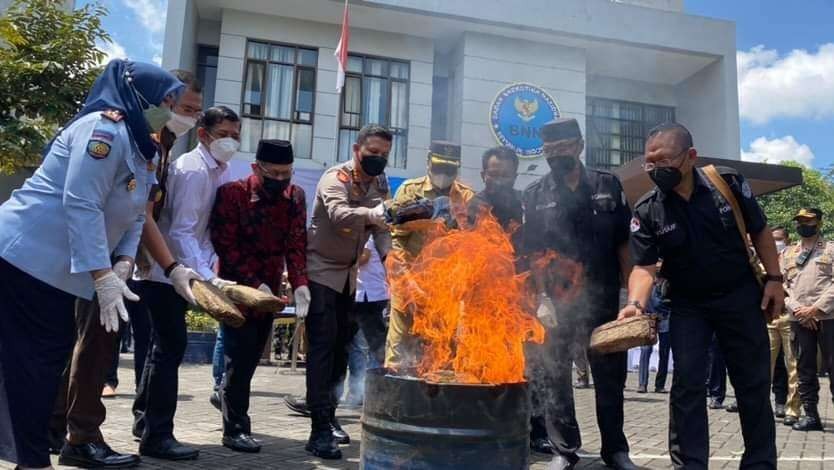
x=83, y=205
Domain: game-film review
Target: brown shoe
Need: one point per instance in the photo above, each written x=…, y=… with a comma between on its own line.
x=108, y=392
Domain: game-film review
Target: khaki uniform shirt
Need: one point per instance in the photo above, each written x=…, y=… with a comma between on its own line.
x=812, y=283
x=340, y=226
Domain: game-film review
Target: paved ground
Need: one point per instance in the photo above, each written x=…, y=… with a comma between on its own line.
x=283, y=434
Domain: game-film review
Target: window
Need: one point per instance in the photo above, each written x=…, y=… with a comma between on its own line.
x=279, y=96
x=207, y=72
x=375, y=92
x=617, y=130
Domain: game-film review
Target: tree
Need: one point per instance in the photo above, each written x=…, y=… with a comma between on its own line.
x=48, y=62
x=815, y=191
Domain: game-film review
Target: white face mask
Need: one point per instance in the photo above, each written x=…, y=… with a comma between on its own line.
x=441, y=180
x=224, y=149
x=180, y=125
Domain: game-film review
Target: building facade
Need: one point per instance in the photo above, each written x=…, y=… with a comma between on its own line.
x=475, y=72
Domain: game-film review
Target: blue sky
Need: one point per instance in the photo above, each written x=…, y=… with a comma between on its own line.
x=786, y=68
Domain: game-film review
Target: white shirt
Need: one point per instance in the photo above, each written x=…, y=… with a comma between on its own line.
x=371, y=278
x=192, y=185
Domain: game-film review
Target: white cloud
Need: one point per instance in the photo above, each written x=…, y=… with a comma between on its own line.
x=114, y=50
x=778, y=150
x=799, y=84
x=151, y=13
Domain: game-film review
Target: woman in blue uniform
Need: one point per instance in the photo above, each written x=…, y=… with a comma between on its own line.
x=72, y=231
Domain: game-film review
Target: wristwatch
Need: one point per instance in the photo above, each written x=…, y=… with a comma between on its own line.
x=775, y=278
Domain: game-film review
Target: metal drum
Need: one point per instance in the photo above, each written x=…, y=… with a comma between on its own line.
x=408, y=423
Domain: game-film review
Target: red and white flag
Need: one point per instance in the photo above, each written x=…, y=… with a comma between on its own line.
x=342, y=51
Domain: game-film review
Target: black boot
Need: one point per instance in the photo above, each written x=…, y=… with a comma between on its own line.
x=321, y=442
x=339, y=435
x=809, y=422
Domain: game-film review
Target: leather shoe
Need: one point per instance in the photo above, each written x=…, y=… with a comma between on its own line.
x=541, y=445
x=732, y=407
x=641, y=389
x=620, y=461
x=808, y=423
x=214, y=399
x=297, y=405
x=339, y=434
x=790, y=420
x=660, y=390
x=95, y=455
x=562, y=462
x=779, y=411
x=242, y=443
x=715, y=404
x=168, y=449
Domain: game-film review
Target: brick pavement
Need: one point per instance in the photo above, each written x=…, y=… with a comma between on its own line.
x=283, y=434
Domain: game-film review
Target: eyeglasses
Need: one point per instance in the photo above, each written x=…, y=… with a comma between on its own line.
x=665, y=163
x=277, y=175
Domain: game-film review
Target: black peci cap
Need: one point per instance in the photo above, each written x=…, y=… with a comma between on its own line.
x=274, y=151
x=561, y=129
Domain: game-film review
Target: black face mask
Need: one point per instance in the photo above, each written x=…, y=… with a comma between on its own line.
x=807, y=231
x=561, y=165
x=667, y=178
x=275, y=187
x=373, y=165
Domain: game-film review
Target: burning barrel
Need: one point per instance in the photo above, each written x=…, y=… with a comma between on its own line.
x=412, y=424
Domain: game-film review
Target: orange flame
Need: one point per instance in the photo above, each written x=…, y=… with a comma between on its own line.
x=562, y=277
x=468, y=305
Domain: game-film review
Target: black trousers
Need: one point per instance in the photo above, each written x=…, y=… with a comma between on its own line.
x=37, y=333
x=805, y=342
x=556, y=390
x=329, y=331
x=243, y=348
x=369, y=318
x=780, y=379
x=716, y=372
x=140, y=325
x=156, y=399
x=737, y=322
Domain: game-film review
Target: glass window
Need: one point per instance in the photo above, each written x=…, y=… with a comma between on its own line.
x=279, y=96
x=617, y=130
x=207, y=58
x=375, y=92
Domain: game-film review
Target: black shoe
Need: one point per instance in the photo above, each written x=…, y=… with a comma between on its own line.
x=641, y=389
x=168, y=449
x=137, y=430
x=808, y=423
x=542, y=445
x=563, y=462
x=242, y=443
x=581, y=384
x=57, y=440
x=779, y=411
x=339, y=435
x=732, y=407
x=321, y=442
x=790, y=420
x=297, y=405
x=715, y=404
x=95, y=455
x=620, y=461
x=214, y=399
x=660, y=390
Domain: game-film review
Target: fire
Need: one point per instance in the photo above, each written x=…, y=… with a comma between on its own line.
x=469, y=305
x=562, y=276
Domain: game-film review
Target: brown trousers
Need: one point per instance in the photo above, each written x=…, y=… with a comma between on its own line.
x=78, y=409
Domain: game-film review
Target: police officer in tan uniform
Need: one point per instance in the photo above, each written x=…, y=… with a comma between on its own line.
x=348, y=207
x=807, y=267
x=441, y=180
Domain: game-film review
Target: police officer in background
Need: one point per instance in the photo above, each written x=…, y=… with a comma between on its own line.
x=575, y=235
x=809, y=281
x=713, y=289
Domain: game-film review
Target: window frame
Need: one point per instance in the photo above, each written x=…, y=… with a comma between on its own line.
x=296, y=67
x=398, y=132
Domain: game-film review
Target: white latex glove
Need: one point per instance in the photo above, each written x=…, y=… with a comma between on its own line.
x=111, y=292
x=265, y=288
x=377, y=214
x=124, y=269
x=546, y=312
x=302, y=301
x=181, y=278
x=221, y=283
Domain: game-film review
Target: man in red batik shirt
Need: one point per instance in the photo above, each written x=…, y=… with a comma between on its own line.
x=258, y=225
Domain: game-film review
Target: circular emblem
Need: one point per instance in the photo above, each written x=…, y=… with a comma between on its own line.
x=516, y=115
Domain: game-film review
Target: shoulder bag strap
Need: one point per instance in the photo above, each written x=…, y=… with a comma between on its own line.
x=721, y=185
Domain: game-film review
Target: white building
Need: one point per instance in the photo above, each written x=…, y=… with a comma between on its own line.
x=432, y=69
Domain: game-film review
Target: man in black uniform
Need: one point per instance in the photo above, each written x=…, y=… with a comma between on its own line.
x=499, y=198
x=713, y=290
x=575, y=236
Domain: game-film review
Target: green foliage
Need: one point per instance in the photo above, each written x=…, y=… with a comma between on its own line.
x=48, y=62
x=197, y=320
x=816, y=191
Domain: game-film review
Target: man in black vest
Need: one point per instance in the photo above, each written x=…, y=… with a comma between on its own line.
x=713, y=290
x=575, y=236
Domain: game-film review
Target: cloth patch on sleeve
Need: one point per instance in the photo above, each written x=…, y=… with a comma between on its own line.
x=98, y=149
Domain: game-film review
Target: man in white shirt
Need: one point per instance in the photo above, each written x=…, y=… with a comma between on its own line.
x=191, y=187
x=371, y=300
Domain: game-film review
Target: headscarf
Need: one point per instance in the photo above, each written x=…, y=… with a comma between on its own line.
x=119, y=86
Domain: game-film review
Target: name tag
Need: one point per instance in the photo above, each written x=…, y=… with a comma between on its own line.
x=549, y=205
x=667, y=228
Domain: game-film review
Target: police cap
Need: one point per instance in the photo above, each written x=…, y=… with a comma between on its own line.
x=444, y=153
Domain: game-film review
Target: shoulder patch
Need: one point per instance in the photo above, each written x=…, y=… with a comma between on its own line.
x=113, y=115
x=343, y=176
x=746, y=191
x=98, y=149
